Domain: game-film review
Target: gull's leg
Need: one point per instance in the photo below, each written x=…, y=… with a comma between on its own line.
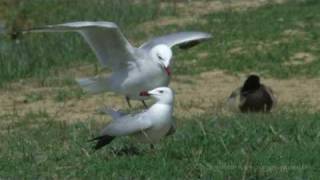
x=151, y=146
x=172, y=129
x=128, y=101
x=152, y=149
x=144, y=104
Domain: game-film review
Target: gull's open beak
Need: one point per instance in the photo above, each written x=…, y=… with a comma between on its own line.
x=166, y=67
x=145, y=93
x=168, y=70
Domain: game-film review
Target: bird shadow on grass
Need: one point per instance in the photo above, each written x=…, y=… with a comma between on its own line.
x=126, y=151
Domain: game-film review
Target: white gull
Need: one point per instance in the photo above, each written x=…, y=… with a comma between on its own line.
x=134, y=70
x=148, y=126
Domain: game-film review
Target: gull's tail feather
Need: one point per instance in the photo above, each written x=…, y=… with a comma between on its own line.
x=102, y=141
x=94, y=85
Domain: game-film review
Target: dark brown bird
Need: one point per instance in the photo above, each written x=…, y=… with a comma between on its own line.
x=252, y=96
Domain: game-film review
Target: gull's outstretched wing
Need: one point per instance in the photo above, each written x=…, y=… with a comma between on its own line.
x=185, y=40
x=126, y=125
x=106, y=40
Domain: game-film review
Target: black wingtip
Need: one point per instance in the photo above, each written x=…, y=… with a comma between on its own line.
x=189, y=44
x=102, y=141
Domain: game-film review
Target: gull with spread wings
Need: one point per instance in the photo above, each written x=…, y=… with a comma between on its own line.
x=134, y=70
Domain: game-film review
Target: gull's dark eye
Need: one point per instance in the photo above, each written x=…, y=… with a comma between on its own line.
x=160, y=57
x=161, y=91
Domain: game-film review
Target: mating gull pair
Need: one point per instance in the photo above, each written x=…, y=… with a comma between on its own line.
x=137, y=73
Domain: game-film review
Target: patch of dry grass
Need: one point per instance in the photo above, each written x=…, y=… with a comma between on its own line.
x=204, y=93
x=300, y=58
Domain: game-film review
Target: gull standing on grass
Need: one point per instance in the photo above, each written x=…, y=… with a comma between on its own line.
x=134, y=70
x=149, y=126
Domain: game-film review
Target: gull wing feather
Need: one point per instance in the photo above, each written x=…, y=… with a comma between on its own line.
x=128, y=124
x=183, y=39
x=106, y=40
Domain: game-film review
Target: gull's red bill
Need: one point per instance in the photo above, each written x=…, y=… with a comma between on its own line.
x=168, y=71
x=144, y=93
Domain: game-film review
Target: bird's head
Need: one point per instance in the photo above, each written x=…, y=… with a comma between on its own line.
x=252, y=83
x=162, y=54
x=161, y=94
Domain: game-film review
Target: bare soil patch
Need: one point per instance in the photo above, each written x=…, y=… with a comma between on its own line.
x=205, y=93
x=209, y=91
x=300, y=58
x=294, y=32
x=236, y=51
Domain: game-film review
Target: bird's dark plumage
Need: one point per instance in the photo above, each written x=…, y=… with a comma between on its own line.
x=102, y=141
x=254, y=96
x=251, y=84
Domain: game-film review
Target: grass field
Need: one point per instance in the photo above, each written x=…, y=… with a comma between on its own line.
x=46, y=120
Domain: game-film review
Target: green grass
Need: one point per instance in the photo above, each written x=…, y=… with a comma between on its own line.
x=259, y=146
x=249, y=29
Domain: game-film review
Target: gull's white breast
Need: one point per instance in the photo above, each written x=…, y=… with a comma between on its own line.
x=142, y=75
x=161, y=122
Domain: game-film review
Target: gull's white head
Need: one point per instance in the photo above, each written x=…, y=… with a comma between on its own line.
x=162, y=54
x=162, y=95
